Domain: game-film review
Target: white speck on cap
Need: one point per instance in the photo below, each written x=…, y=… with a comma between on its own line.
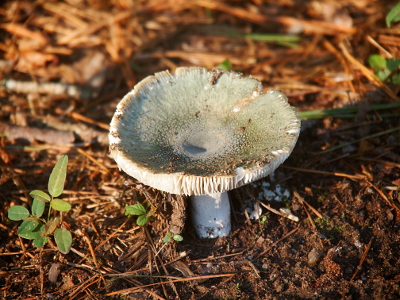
x=172, y=134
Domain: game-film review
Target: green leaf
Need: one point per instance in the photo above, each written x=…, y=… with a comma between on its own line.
x=40, y=195
x=17, y=213
x=396, y=78
x=382, y=74
x=263, y=220
x=168, y=237
x=63, y=240
x=377, y=61
x=27, y=226
x=34, y=233
x=178, y=238
x=225, y=65
x=40, y=241
x=393, y=64
x=52, y=225
x=60, y=205
x=38, y=207
x=135, y=210
x=393, y=15
x=142, y=220
x=57, y=177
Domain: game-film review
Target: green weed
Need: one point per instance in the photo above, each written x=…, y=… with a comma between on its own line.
x=170, y=236
x=39, y=229
x=387, y=69
x=139, y=210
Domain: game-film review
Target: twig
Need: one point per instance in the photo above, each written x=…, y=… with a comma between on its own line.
x=383, y=162
x=89, y=243
x=326, y=173
x=80, y=117
x=339, y=57
x=112, y=234
x=86, y=267
x=83, y=286
x=217, y=257
x=359, y=140
x=382, y=194
x=92, y=159
x=302, y=201
x=380, y=48
x=49, y=88
x=280, y=213
x=313, y=26
x=92, y=28
x=367, y=73
x=363, y=257
x=50, y=136
x=281, y=239
x=254, y=268
x=130, y=290
x=153, y=248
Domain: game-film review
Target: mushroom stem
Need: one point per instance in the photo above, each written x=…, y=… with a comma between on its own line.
x=211, y=215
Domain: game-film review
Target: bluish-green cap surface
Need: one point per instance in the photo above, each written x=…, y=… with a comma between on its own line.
x=201, y=132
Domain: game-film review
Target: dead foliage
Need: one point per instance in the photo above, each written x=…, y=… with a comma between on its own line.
x=64, y=65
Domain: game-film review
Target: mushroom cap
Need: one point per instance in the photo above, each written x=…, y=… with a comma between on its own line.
x=201, y=132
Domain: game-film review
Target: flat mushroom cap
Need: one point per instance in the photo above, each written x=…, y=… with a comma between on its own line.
x=201, y=132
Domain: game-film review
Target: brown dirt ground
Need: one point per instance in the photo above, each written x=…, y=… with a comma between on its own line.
x=346, y=244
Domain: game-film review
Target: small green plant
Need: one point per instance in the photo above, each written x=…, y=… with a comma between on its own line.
x=225, y=65
x=323, y=197
x=322, y=223
x=139, y=210
x=393, y=16
x=263, y=220
x=38, y=229
x=387, y=69
x=170, y=236
x=330, y=230
x=237, y=285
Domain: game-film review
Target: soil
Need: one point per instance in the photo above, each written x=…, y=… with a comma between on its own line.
x=342, y=180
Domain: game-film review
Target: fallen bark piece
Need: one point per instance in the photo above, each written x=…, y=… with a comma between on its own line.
x=83, y=132
x=49, y=88
x=49, y=136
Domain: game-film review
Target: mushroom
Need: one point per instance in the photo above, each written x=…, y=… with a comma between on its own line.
x=202, y=133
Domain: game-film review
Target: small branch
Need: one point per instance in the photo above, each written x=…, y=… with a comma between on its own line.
x=281, y=239
x=367, y=73
x=282, y=212
x=304, y=202
x=132, y=289
x=50, y=88
x=362, y=260
x=49, y=136
x=359, y=176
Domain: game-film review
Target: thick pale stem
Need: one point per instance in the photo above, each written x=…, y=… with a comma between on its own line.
x=211, y=215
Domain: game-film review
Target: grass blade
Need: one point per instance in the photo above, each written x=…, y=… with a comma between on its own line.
x=346, y=112
x=393, y=15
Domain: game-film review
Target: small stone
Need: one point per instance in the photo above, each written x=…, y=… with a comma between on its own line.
x=313, y=256
x=54, y=271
